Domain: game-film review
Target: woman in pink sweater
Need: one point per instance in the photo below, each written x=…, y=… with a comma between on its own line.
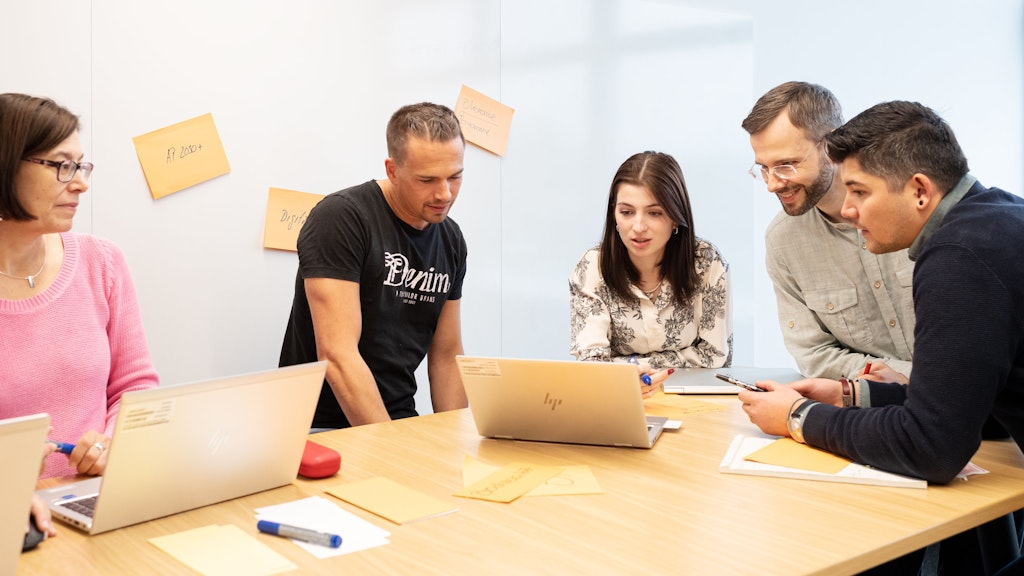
x=71, y=338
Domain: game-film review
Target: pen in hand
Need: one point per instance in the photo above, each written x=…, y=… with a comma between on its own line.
x=62, y=447
x=304, y=534
x=645, y=378
x=867, y=369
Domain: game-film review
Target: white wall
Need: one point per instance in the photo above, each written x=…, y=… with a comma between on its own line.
x=301, y=90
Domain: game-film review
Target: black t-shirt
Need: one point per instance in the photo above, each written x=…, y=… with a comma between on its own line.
x=405, y=277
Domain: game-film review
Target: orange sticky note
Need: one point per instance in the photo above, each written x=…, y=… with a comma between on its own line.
x=287, y=211
x=181, y=155
x=389, y=499
x=792, y=454
x=485, y=121
x=510, y=482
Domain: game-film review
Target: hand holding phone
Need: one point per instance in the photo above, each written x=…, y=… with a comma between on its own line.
x=740, y=383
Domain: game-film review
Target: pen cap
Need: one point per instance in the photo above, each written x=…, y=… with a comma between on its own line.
x=319, y=461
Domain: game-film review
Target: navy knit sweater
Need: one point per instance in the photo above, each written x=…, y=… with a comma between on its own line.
x=968, y=351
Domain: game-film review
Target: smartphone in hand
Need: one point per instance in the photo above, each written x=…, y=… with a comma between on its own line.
x=740, y=383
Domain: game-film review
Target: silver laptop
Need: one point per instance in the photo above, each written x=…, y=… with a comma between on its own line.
x=21, y=443
x=557, y=401
x=176, y=448
x=704, y=381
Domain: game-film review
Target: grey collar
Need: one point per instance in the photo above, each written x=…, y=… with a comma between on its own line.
x=948, y=201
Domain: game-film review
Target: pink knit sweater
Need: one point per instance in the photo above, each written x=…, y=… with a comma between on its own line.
x=75, y=348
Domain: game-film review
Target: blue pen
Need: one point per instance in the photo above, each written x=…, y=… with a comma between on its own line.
x=645, y=378
x=304, y=534
x=62, y=447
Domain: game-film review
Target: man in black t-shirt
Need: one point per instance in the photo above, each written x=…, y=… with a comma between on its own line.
x=380, y=276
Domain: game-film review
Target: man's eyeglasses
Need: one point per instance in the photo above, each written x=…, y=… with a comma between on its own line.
x=782, y=171
x=66, y=169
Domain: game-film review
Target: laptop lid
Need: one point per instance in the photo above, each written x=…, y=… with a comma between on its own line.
x=557, y=401
x=703, y=380
x=181, y=447
x=21, y=443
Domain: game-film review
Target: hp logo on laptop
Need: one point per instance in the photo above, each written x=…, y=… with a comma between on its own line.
x=553, y=401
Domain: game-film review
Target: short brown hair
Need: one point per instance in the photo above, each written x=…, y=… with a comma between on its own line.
x=432, y=122
x=28, y=126
x=811, y=107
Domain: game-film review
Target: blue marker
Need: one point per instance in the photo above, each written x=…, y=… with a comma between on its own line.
x=63, y=447
x=304, y=534
x=645, y=378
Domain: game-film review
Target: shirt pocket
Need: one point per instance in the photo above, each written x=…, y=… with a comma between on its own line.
x=839, y=310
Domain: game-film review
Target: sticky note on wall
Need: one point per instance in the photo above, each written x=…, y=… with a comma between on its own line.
x=485, y=121
x=287, y=211
x=181, y=155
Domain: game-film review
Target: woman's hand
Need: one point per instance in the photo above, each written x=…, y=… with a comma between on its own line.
x=90, y=453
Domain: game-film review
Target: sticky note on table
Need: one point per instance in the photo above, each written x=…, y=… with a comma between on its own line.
x=389, y=499
x=509, y=482
x=791, y=454
x=223, y=551
x=181, y=155
x=571, y=480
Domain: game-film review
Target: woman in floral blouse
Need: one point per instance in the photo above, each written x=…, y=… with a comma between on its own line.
x=651, y=293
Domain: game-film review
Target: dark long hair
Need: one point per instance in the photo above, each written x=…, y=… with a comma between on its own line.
x=659, y=173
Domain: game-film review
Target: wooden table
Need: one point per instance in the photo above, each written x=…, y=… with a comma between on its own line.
x=666, y=510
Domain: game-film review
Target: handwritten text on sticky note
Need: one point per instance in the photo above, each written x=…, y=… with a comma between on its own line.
x=181, y=155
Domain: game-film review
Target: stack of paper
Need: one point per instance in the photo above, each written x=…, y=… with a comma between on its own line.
x=786, y=458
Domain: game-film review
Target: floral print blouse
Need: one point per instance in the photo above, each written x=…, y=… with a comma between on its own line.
x=606, y=328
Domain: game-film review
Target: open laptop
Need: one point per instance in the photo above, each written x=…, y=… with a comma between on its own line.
x=21, y=443
x=703, y=380
x=176, y=448
x=557, y=401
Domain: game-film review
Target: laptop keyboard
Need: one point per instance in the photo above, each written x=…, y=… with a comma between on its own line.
x=84, y=506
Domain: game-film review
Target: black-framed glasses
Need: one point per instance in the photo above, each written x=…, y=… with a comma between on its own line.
x=782, y=171
x=66, y=169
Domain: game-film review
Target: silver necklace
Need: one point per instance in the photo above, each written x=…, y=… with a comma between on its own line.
x=650, y=295
x=32, y=278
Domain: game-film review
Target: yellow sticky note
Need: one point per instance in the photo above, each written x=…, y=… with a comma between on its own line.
x=389, y=499
x=287, y=211
x=570, y=481
x=675, y=406
x=509, y=482
x=181, y=155
x=222, y=551
x=792, y=454
x=485, y=121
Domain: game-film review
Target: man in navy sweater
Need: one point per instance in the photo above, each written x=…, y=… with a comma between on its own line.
x=908, y=186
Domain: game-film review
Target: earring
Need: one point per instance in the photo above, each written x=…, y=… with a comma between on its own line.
x=920, y=202
x=675, y=230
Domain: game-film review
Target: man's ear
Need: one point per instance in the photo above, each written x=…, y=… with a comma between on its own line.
x=926, y=193
x=389, y=167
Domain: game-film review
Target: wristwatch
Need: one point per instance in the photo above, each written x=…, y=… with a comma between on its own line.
x=795, y=422
x=847, y=392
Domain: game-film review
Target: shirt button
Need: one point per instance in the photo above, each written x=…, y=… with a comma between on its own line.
x=892, y=323
x=831, y=306
x=878, y=284
x=864, y=246
x=792, y=324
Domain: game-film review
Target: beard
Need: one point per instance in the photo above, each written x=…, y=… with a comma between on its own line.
x=812, y=192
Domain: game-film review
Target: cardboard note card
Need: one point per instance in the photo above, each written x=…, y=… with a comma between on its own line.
x=485, y=121
x=181, y=155
x=389, y=499
x=792, y=454
x=510, y=482
x=287, y=211
x=222, y=551
x=571, y=480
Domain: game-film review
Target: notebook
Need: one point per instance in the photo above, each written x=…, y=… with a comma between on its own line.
x=176, y=448
x=21, y=443
x=558, y=401
x=703, y=380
